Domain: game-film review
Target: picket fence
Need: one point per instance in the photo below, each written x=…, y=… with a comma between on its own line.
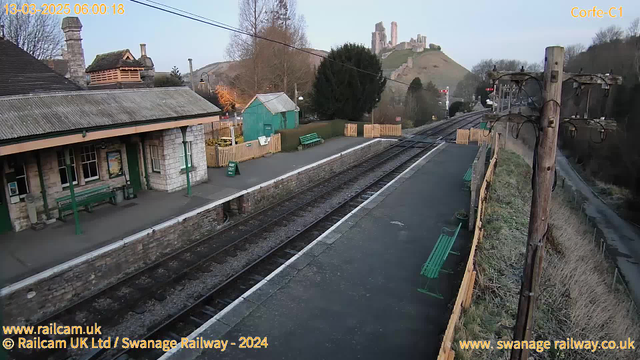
x=220, y=156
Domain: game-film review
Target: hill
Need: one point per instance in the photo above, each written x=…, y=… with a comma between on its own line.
x=222, y=72
x=429, y=65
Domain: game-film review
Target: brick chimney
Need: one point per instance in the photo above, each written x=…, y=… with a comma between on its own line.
x=74, y=55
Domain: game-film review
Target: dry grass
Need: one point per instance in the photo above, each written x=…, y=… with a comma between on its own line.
x=576, y=298
x=615, y=196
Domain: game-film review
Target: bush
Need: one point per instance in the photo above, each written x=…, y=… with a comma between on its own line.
x=291, y=137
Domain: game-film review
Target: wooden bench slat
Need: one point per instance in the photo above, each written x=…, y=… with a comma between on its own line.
x=433, y=266
x=467, y=175
x=85, y=198
x=310, y=139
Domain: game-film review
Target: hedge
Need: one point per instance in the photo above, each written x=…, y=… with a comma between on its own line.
x=290, y=138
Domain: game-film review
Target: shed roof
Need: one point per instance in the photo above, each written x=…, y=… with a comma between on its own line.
x=274, y=102
x=21, y=73
x=113, y=60
x=32, y=116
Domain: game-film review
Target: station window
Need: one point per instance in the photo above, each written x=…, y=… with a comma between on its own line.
x=64, y=180
x=89, y=160
x=21, y=179
x=188, y=154
x=155, y=158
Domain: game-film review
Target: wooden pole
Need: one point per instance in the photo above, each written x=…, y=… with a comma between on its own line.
x=544, y=169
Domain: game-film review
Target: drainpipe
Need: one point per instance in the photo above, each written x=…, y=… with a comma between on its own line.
x=74, y=205
x=144, y=162
x=186, y=157
x=42, y=187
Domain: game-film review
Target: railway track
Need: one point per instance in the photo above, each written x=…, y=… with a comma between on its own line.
x=141, y=292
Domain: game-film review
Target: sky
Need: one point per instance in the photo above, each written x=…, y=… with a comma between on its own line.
x=468, y=31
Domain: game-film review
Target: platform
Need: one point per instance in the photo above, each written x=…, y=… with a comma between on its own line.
x=29, y=252
x=353, y=292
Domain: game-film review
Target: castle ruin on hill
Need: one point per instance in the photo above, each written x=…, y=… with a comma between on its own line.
x=380, y=44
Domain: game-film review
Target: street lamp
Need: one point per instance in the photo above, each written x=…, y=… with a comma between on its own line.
x=202, y=81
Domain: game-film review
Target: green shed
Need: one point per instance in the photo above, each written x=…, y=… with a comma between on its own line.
x=266, y=113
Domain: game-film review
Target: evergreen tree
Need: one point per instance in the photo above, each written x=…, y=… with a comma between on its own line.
x=175, y=73
x=341, y=92
x=422, y=103
x=173, y=79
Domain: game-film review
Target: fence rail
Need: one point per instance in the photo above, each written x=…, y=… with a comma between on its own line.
x=465, y=294
x=377, y=130
x=220, y=156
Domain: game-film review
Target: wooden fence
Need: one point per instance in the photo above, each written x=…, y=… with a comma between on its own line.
x=465, y=294
x=377, y=130
x=462, y=136
x=482, y=136
x=220, y=156
x=351, y=130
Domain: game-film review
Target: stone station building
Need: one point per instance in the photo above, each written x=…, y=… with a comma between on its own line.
x=114, y=138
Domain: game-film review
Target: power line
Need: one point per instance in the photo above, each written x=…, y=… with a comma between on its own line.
x=221, y=25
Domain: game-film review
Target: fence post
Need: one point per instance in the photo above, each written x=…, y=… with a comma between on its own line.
x=615, y=274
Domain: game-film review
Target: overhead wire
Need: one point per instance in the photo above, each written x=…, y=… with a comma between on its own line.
x=195, y=17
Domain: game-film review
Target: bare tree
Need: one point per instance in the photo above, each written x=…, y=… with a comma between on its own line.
x=288, y=66
x=571, y=51
x=39, y=35
x=609, y=34
x=265, y=66
x=252, y=17
x=634, y=28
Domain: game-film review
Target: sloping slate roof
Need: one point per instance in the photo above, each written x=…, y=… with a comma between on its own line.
x=112, y=60
x=21, y=73
x=35, y=115
x=275, y=102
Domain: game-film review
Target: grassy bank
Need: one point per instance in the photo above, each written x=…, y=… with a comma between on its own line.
x=576, y=299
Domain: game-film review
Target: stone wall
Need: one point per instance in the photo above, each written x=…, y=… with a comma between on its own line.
x=174, y=163
x=35, y=298
x=35, y=301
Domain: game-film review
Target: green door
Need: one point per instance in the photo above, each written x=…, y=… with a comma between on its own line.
x=5, y=219
x=268, y=130
x=134, y=167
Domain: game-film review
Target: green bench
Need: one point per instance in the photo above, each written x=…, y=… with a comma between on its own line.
x=467, y=179
x=86, y=199
x=309, y=140
x=432, y=268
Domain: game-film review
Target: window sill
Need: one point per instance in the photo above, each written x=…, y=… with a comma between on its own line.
x=191, y=169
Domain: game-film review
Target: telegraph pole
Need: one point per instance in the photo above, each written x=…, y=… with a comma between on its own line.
x=544, y=169
x=542, y=183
